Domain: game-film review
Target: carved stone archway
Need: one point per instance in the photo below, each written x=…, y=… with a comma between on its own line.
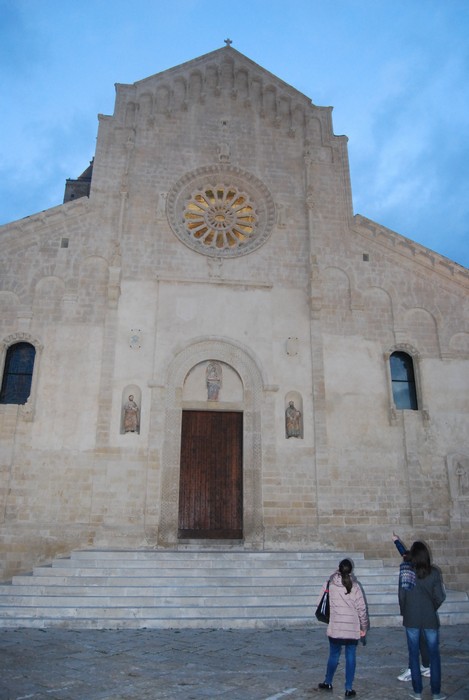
x=240, y=360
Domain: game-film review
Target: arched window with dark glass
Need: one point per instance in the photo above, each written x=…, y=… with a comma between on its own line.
x=18, y=373
x=403, y=381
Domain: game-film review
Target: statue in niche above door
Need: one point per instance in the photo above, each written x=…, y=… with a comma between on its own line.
x=214, y=378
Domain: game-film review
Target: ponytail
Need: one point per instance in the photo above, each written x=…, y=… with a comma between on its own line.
x=345, y=569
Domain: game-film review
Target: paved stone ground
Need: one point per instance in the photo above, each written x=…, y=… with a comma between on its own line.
x=261, y=664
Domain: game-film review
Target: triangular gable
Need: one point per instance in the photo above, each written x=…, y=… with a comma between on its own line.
x=227, y=53
x=224, y=70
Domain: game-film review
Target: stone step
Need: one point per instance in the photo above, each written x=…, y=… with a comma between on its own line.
x=280, y=564
x=44, y=622
x=145, y=589
x=277, y=568
x=134, y=599
x=197, y=572
x=151, y=597
x=106, y=619
x=106, y=589
x=259, y=559
x=167, y=612
x=100, y=578
x=211, y=555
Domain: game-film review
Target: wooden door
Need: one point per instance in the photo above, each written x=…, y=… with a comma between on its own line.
x=211, y=481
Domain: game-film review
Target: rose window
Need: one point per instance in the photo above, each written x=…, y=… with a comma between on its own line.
x=220, y=211
x=220, y=217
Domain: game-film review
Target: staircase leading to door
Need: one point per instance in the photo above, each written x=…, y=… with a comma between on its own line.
x=198, y=588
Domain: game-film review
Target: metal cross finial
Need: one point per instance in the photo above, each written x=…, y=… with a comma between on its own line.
x=228, y=42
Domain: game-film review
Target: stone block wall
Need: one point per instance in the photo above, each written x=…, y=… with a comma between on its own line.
x=118, y=302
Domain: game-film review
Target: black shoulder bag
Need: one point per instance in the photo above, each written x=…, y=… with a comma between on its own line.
x=323, y=609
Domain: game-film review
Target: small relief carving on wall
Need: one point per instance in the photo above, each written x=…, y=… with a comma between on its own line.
x=292, y=346
x=215, y=267
x=214, y=380
x=131, y=416
x=161, y=205
x=310, y=197
x=293, y=421
x=458, y=473
x=116, y=256
x=224, y=152
x=281, y=216
x=462, y=474
x=135, y=339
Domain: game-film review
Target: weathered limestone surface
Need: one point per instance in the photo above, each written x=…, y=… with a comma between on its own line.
x=308, y=310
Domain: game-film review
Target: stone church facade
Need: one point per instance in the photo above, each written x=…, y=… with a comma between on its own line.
x=204, y=345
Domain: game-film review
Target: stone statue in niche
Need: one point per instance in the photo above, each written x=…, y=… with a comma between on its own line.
x=292, y=421
x=131, y=416
x=214, y=377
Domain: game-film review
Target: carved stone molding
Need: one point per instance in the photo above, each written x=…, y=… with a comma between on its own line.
x=403, y=347
x=20, y=337
x=224, y=74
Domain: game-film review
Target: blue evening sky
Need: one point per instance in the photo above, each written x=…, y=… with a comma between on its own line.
x=395, y=71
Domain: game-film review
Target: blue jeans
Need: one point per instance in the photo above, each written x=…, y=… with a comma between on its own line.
x=432, y=639
x=335, y=647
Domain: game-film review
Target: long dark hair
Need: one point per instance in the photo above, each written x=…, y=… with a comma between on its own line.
x=345, y=569
x=420, y=558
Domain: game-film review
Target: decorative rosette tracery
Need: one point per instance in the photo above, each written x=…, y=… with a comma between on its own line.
x=220, y=211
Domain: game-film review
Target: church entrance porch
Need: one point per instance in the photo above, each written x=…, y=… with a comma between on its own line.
x=211, y=475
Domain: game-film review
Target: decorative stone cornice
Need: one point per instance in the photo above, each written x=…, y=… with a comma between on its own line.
x=411, y=250
x=222, y=74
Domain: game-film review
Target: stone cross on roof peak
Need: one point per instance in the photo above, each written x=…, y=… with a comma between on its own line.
x=228, y=42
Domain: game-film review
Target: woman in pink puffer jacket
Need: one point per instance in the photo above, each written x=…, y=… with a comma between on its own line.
x=347, y=624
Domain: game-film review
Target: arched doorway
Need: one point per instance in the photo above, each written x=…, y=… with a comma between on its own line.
x=188, y=422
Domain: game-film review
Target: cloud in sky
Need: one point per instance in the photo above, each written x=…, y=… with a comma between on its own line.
x=396, y=72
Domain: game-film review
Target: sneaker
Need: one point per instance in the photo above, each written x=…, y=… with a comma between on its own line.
x=325, y=686
x=439, y=696
x=416, y=696
x=350, y=693
x=405, y=675
x=425, y=671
